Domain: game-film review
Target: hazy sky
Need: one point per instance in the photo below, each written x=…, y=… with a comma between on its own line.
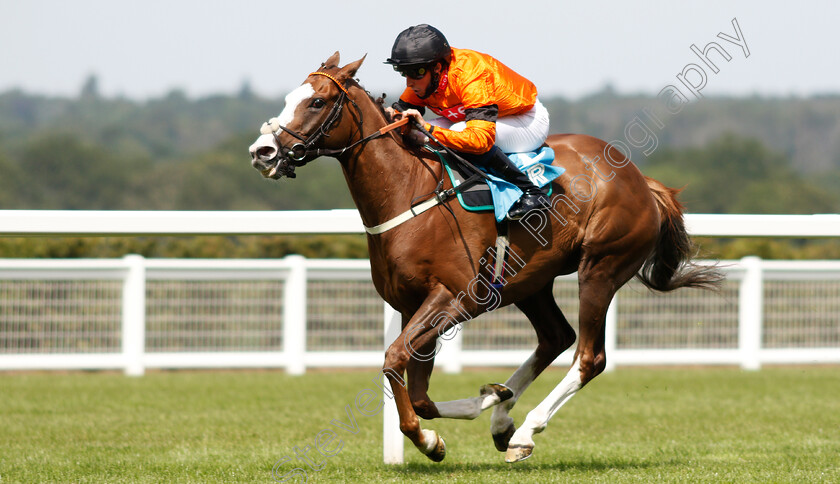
x=146, y=48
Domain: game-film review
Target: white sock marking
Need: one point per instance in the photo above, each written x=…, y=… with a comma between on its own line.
x=430, y=436
x=538, y=418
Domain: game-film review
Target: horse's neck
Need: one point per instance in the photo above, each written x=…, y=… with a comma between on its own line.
x=384, y=178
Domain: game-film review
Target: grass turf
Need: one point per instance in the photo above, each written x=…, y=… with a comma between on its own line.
x=632, y=425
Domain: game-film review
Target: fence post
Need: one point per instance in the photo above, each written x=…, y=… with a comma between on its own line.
x=134, y=315
x=392, y=438
x=294, y=315
x=611, y=333
x=751, y=313
x=449, y=354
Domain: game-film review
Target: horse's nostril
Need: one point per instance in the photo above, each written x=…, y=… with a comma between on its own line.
x=265, y=153
x=264, y=149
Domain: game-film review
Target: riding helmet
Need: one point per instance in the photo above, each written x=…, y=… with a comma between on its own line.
x=421, y=44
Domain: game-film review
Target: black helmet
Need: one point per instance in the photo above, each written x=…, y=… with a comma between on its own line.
x=421, y=44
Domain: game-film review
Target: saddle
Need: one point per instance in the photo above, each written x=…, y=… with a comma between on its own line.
x=487, y=192
x=493, y=194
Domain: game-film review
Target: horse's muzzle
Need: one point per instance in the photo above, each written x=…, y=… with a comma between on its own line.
x=267, y=159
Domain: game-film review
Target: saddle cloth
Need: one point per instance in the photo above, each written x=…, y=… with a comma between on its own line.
x=498, y=195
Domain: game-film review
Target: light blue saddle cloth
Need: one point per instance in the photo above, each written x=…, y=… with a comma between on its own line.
x=497, y=194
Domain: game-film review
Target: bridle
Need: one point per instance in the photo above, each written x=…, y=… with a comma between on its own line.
x=304, y=151
x=300, y=153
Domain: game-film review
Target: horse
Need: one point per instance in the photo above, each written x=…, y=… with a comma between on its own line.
x=606, y=221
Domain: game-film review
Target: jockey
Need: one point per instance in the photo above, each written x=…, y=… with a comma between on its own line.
x=486, y=109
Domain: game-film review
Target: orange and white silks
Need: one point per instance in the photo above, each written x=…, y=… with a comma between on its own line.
x=478, y=89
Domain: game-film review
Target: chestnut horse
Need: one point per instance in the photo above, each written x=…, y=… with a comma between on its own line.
x=607, y=221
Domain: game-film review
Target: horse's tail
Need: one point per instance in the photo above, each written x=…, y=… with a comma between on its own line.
x=669, y=266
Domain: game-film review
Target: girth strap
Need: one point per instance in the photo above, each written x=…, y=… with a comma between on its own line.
x=407, y=215
x=440, y=196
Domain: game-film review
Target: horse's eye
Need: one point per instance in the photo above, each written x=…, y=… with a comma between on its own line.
x=317, y=103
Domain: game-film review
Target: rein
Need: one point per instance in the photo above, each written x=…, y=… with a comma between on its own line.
x=439, y=196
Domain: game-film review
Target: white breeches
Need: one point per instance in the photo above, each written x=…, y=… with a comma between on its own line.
x=514, y=134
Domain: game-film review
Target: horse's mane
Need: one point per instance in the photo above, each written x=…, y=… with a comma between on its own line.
x=379, y=102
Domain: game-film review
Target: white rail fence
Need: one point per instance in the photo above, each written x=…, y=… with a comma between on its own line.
x=295, y=313
x=119, y=222
x=135, y=313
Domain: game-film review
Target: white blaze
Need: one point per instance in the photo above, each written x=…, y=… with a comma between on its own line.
x=293, y=99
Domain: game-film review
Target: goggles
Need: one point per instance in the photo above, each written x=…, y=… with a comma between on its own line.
x=414, y=72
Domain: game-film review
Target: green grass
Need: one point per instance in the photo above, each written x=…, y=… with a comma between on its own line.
x=648, y=425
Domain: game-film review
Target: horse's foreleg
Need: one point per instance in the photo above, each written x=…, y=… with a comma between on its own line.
x=555, y=336
x=501, y=424
x=417, y=342
x=419, y=372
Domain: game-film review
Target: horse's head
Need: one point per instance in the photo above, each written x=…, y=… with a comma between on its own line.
x=311, y=120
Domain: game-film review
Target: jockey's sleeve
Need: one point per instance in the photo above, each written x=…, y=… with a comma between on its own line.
x=476, y=93
x=402, y=105
x=478, y=137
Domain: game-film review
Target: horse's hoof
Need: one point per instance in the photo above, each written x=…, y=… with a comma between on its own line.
x=499, y=389
x=517, y=453
x=502, y=440
x=439, y=452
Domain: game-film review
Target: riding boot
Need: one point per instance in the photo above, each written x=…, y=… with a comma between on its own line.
x=532, y=197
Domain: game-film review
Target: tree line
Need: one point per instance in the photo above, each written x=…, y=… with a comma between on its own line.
x=732, y=155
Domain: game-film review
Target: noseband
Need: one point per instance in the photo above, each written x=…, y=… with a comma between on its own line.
x=299, y=152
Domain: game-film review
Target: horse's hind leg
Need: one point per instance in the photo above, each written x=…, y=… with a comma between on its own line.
x=599, y=277
x=554, y=336
x=588, y=362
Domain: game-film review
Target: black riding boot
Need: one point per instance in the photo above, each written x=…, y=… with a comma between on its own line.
x=497, y=161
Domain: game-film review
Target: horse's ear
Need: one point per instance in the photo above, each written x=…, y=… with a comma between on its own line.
x=349, y=71
x=332, y=61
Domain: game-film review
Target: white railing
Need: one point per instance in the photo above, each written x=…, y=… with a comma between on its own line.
x=123, y=344
x=95, y=222
x=296, y=319
x=135, y=272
